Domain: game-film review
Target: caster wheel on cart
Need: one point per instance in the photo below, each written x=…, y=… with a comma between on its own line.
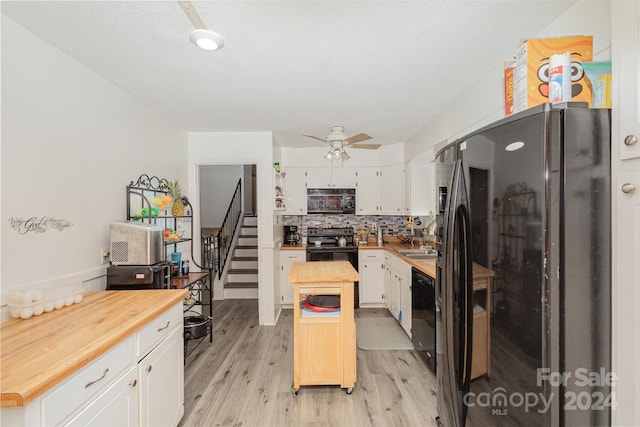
x=349, y=390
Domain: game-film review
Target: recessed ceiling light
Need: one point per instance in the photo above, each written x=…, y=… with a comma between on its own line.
x=207, y=39
x=514, y=146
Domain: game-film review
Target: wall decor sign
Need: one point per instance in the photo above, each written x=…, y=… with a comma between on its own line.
x=39, y=224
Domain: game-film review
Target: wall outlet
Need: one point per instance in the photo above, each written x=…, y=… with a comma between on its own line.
x=104, y=255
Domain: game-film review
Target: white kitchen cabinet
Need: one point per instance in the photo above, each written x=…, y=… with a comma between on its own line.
x=422, y=183
x=343, y=177
x=367, y=191
x=161, y=379
x=406, y=189
x=110, y=391
x=318, y=177
x=400, y=291
x=116, y=406
x=391, y=189
x=371, y=270
x=386, y=294
x=625, y=193
x=287, y=258
x=405, y=301
x=295, y=191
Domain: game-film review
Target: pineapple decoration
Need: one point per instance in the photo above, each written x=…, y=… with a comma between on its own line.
x=178, y=199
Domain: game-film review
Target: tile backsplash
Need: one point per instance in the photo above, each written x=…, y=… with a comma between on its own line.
x=391, y=225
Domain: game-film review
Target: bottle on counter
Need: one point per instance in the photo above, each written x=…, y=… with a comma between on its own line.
x=185, y=267
x=379, y=234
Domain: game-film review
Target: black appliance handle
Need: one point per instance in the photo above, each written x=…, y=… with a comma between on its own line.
x=457, y=216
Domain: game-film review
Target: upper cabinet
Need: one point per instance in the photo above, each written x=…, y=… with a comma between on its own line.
x=625, y=65
x=391, y=192
x=343, y=177
x=295, y=191
x=318, y=177
x=420, y=180
x=395, y=189
x=367, y=191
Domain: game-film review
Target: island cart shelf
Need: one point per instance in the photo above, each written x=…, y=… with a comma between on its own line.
x=325, y=344
x=200, y=294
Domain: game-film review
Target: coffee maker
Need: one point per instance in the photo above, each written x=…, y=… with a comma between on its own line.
x=291, y=236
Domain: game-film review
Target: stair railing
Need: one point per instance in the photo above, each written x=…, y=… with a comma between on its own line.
x=228, y=228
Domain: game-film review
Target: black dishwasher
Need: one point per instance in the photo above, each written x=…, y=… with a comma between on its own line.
x=423, y=316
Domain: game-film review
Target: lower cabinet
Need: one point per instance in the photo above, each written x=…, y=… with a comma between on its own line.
x=287, y=258
x=140, y=382
x=400, y=291
x=161, y=379
x=371, y=270
x=116, y=406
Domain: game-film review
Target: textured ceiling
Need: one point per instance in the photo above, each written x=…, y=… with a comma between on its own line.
x=380, y=67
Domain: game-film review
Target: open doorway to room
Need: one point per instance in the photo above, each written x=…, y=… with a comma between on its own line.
x=228, y=228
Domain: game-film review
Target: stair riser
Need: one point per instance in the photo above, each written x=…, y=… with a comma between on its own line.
x=244, y=265
x=242, y=277
x=245, y=252
x=251, y=231
x=247, y=241
x=250, y=220
x=241, y=293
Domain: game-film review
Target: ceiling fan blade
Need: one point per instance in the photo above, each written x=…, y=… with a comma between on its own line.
x=366, y=146
x=357, y=138
x=315, y=137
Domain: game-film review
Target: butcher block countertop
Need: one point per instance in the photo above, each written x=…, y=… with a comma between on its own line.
x=322, y=272
x=40, y=352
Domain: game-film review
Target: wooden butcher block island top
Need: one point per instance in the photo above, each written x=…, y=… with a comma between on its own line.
x=40, y=352
x=323, y=271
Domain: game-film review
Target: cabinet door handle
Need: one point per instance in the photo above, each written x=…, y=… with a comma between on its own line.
x=164, y=327
x=628, y=188
x=133, y=383
x=90, y=383
x=149, y=368
x=630, y=140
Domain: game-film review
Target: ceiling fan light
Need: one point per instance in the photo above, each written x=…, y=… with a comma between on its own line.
x=345, y=156
x=206, y=39
x=329, y=155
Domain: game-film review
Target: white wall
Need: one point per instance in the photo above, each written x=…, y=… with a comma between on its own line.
x=236, y=148
x=485, y=103
x=217, y=184
x=71, y=142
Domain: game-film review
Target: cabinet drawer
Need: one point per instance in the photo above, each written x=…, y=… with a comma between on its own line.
x=90, y=381
x=293, y=256
x=158, y=329
x=367, y=255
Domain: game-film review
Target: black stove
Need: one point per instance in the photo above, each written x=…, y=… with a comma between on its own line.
x=328, y=249
x=328, y=239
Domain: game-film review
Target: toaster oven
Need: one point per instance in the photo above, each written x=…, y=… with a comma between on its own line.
x=136, y=243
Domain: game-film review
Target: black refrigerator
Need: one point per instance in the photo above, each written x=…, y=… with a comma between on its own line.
x=528, y=198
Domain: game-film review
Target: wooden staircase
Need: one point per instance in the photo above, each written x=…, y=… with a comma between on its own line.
x=241, y=281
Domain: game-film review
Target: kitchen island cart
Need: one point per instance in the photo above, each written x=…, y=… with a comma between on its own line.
x=324, y=342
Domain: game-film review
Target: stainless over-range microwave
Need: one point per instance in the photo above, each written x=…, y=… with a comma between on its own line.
x=331, y=200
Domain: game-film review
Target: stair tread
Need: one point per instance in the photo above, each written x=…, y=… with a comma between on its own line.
x=244, y=258
x=247, y=247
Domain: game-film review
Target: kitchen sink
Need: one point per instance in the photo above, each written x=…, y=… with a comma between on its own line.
x=421, y=256
x=412, y=251
x=417, y=253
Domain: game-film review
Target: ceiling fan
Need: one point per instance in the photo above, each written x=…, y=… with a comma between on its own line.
x=338, y=140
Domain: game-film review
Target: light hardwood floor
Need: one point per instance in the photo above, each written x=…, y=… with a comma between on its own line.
x=244, y=378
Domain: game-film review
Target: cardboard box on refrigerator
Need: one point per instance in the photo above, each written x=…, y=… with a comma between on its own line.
x=530, y=80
